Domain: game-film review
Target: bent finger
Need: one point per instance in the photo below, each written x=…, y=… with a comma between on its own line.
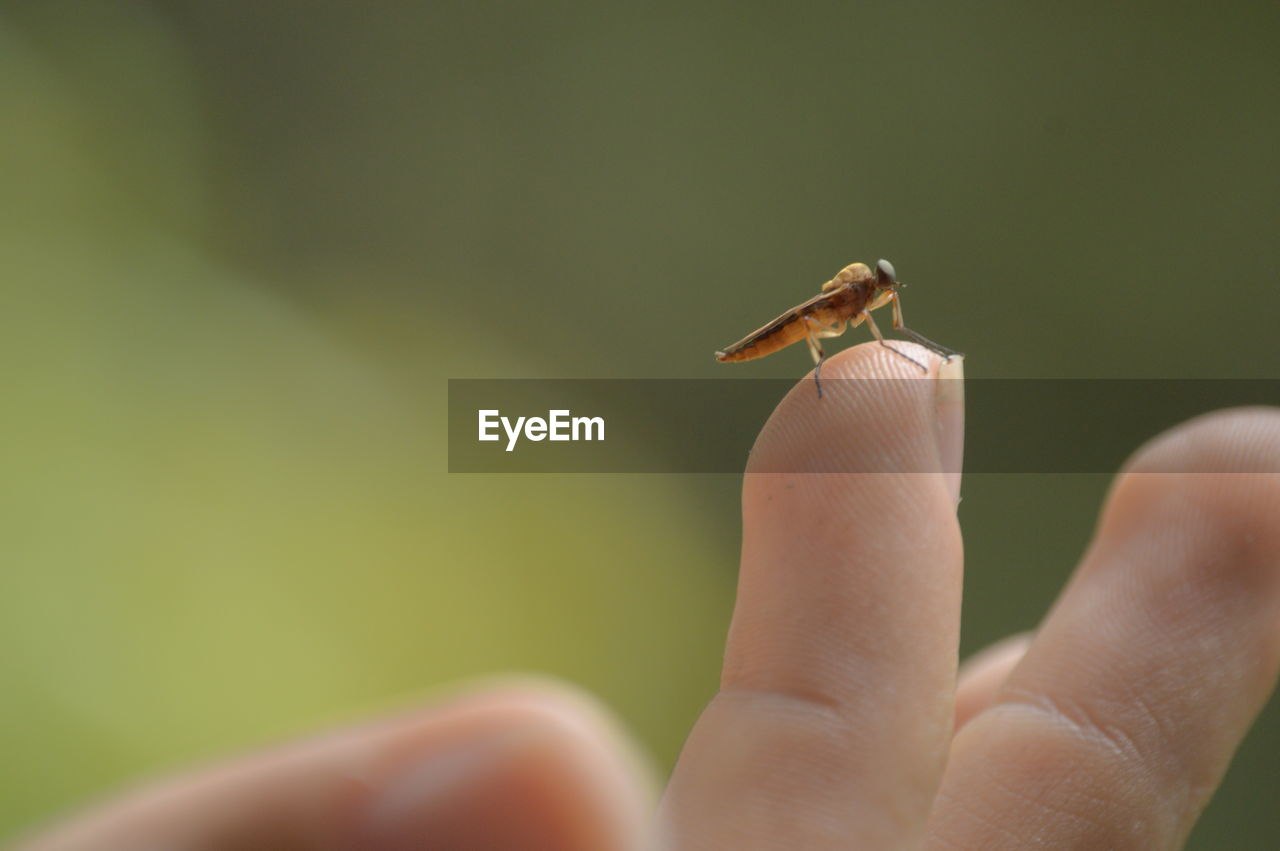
x=1118, y=725
x=518, y=767
x=982, y=675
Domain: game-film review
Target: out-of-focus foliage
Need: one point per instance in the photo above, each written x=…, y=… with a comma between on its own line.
x=245, y=243
x=224, y=519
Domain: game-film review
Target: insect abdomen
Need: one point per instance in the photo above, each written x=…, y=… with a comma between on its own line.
x=766, y=341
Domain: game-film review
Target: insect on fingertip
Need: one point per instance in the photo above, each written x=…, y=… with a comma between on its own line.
x=844, y=301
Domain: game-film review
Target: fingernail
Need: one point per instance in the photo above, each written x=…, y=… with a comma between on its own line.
x=949, y=421
x=423, y=801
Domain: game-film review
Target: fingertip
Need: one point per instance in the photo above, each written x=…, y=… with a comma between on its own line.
x=876, y=414
x=576, y=714
x=535, y=762
x=1233, y=440
x=1213, y=484
x=893, y=359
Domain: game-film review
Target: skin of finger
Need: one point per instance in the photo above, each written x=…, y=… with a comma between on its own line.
x=553, y=771
x=835, y=707
x=983, y=674
x=1120, y=721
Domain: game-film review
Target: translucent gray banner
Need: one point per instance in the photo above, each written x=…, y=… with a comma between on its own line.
x=709, y=425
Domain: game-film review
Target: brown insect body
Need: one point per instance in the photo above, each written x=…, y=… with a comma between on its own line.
x=843, y=298
x=847, y=299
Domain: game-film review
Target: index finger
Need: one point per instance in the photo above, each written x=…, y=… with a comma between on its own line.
x=836, y=699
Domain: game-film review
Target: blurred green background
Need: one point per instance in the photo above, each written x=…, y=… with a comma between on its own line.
x=245, y=244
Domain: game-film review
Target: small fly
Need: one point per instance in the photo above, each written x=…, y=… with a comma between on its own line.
x=847, y=299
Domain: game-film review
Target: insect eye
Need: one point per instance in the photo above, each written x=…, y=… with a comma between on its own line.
x=885, y=276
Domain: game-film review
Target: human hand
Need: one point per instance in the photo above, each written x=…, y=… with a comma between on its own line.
x=835, y=725
x=1110, y=728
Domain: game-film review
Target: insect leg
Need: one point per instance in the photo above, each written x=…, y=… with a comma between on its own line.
x=875, y=329
x=815, y=349
x=816, y=331
x=833, y=330
x=899, y=325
